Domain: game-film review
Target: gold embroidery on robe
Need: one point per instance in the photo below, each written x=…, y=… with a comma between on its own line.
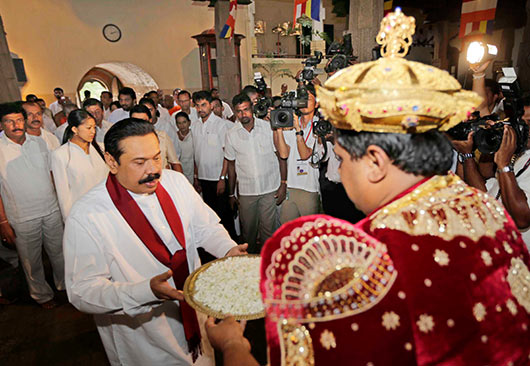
x=519, y=280
x=296, y=345
x=444, y=206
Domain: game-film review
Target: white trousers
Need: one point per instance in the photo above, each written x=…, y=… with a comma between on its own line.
x=31, y=236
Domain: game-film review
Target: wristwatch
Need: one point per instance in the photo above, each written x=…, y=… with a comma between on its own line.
x=223, y=177
x=464, y=157
x=506, y=169
x=301, y=133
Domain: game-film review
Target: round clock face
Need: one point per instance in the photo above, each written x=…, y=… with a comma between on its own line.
x=111, y=33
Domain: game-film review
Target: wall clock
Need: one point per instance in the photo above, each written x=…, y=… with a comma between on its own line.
x=111, y=33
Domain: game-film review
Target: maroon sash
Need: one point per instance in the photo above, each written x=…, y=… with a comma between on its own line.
x=178, y=263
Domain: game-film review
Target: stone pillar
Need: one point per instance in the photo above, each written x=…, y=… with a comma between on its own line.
x=364, y=21
x=9, y=91
x=227, y=62
x=523, y=61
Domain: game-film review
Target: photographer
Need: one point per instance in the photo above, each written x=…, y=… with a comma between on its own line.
x=296, y=145
x=511, y=183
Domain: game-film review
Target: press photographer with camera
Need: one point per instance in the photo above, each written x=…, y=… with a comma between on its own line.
x=511, y=183
x=296, y=145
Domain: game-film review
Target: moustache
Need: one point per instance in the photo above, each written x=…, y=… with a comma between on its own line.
x=149, y=178
x=18, y=130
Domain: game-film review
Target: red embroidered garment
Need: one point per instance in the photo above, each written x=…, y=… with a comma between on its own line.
x=438, y=276
x=177, y=262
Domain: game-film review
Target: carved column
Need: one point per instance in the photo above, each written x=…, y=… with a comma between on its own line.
x=9, y=91
x=364, y=20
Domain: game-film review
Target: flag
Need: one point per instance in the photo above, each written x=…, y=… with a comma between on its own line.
x=311, y=8
x=477, y=15
x=387, y=7
x=228, y=29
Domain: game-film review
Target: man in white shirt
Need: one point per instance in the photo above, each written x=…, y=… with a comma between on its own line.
x=95, y=108
x=129, y=245
x=218, y=110
x=163, y=120
x=106, y=99
x=56, y=107
x=34, y=125
x=29, y=213
x=297, y=145
x=209, y=135
x=184, y=101
x=186, y=144
x=127, y=99
x=251, y=156
x=227, y=111
x=47, y=117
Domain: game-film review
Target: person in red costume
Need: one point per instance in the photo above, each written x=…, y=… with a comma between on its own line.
x=436, y=274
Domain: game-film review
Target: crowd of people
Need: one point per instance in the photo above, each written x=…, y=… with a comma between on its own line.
x=146, y=191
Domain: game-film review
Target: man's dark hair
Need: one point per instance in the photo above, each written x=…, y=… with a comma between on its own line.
x=493, y=85
x=39, y=100
x=250, y=89
x=90, y=102
x=427, y=154
x=182, y=92
x=213, y=89
x=151, y=92
x=10, y=108
x=31, y=98
x=140, y=108
x=202, y=95
x=58, y=89
x=218, y=100
x=116, y=104
x=128, y=91
x=525, y=99
x=182, y=114
x=240, y=98
x=151, y=102
x=125, y=128
x=107, y=92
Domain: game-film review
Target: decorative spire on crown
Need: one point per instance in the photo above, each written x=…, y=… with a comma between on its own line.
x=395, y=34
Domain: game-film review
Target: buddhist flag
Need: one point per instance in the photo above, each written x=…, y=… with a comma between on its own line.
x=477, y=15
x=310, y=8
x=228, y=29
x=387, y=7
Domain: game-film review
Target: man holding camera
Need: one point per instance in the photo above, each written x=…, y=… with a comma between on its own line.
x=511, y=183
x=296, y=145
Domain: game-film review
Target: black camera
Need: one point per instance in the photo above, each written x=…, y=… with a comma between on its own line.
x=321, y=127
x=341, y=55
x=261, y=85
x=283, y=114
x=261, y=108
x=487, y=139
x=309, y=71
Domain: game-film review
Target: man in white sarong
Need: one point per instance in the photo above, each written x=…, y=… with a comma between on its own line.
x=120, y=240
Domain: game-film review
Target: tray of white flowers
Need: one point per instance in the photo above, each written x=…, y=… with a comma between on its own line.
x=228, y=285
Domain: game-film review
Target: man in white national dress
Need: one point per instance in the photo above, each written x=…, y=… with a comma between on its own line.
x=129, y=245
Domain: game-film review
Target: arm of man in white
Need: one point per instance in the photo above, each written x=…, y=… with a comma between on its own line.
x=89, y=284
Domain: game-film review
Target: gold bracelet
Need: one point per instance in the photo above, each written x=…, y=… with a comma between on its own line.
x=3, y=222
x=283, y=182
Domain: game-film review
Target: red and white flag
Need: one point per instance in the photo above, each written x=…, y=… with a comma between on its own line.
x=477, y=15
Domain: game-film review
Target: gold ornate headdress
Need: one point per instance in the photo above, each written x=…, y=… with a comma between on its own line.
x=393, y=94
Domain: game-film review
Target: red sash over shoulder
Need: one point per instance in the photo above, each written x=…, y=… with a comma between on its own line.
x=177, y=262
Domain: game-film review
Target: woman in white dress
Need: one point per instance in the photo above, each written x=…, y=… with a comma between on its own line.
x=78, y=165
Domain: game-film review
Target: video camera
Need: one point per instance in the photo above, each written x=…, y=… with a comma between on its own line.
x=488, y=138
x=283, y=115
x=341, y=54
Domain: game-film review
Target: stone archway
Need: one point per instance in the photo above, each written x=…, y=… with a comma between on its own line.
x=115, y=75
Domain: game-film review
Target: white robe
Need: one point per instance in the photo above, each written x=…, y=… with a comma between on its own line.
x=108, y=270
x=75, y=173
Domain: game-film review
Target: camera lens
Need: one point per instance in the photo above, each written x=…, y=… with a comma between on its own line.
x=488, y=140
x=283, y=117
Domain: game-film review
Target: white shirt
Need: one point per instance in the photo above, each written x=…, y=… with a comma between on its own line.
x=118, y=115
x=523, y=181
x=100, y=132
x=48, y=123
x=332, y=173
x=106, y=113
x=257, y=167
x=25, y=181
x=164, y=124
x=300, y=173
x=75, y=173
x=55, y=107
x=227, y=111
x=51, y=140
x=186, y=156
x=59, y=132
x=208, y=144
x=108, y=269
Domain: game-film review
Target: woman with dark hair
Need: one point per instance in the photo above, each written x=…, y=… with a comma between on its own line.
x=78, y=165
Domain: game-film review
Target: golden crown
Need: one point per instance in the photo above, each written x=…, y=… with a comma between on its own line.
x=393, y=94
